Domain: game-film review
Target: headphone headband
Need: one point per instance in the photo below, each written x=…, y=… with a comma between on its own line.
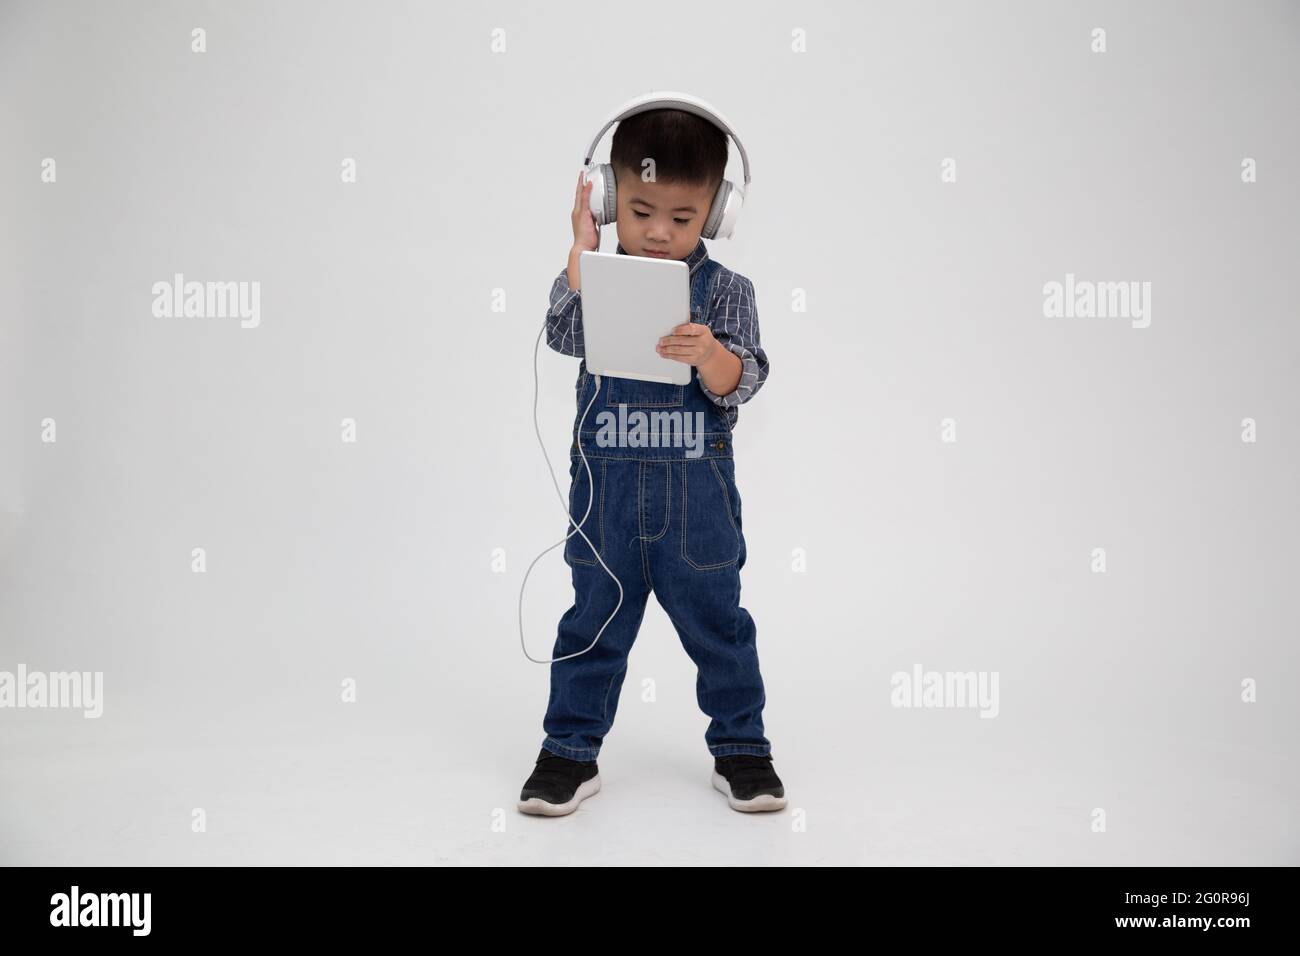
x=667, y=99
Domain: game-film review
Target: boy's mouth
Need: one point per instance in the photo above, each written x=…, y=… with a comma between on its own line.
x=657, y=255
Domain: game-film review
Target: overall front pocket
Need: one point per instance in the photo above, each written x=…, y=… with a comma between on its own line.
x=710, y=535
x=637, y=394
x=576, y=549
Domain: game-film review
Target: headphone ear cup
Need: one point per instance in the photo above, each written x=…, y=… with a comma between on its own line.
x=717, y=210
x=599, y=200
x=731, y=213
x=609, y=194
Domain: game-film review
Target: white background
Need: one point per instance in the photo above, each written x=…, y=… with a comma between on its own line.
x=372, y=561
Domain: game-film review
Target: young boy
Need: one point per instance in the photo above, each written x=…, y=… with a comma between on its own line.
x=664, y=519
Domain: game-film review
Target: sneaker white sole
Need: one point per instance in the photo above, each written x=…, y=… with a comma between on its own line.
x=542, y=808
x=764, y=801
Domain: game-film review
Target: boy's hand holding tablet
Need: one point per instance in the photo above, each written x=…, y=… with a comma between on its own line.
x=691, y=343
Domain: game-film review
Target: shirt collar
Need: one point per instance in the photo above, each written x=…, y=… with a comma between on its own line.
x=693, y=261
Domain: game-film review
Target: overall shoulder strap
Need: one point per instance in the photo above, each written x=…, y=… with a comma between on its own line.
x=708, y=283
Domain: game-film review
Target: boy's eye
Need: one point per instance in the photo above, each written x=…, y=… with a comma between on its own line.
x=646, y=215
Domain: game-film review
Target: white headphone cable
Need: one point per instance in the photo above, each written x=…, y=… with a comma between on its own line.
x=565, y=505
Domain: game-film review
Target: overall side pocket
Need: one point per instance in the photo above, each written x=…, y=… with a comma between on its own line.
x=576, y=549
x=710, y=531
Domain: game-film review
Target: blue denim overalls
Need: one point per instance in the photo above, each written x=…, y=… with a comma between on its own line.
x=665, y=519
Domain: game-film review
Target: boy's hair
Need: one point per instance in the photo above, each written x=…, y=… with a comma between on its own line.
x=685, y=148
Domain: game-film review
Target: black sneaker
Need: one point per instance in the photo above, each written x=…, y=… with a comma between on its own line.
x=557, y=785
x=749, y=781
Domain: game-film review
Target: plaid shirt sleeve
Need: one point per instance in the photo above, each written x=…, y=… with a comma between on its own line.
x=564, y=318
x=733, y=320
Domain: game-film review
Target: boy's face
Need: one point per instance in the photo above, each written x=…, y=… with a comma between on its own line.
x=661, y=219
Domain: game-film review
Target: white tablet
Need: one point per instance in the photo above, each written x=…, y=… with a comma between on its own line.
x=628, y=304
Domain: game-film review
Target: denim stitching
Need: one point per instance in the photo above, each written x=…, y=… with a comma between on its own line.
x=604, y=707
x=573, y=750
x=757, y=750
x=595, y=449
x=707, y=454
x=668, y=501
x=640, y=512
x=645, y=567
x=681, y=395
x=640, y=518
x=600, y=518
x=725, y=494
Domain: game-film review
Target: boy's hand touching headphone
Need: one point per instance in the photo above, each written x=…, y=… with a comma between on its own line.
x=586, y=236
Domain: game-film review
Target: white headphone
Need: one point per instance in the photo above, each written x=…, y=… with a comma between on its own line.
x=727, y=201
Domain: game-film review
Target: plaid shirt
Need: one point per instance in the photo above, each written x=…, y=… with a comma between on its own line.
x=732, y=318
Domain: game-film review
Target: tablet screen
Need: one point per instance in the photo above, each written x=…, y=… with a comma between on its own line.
x=628, y=304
